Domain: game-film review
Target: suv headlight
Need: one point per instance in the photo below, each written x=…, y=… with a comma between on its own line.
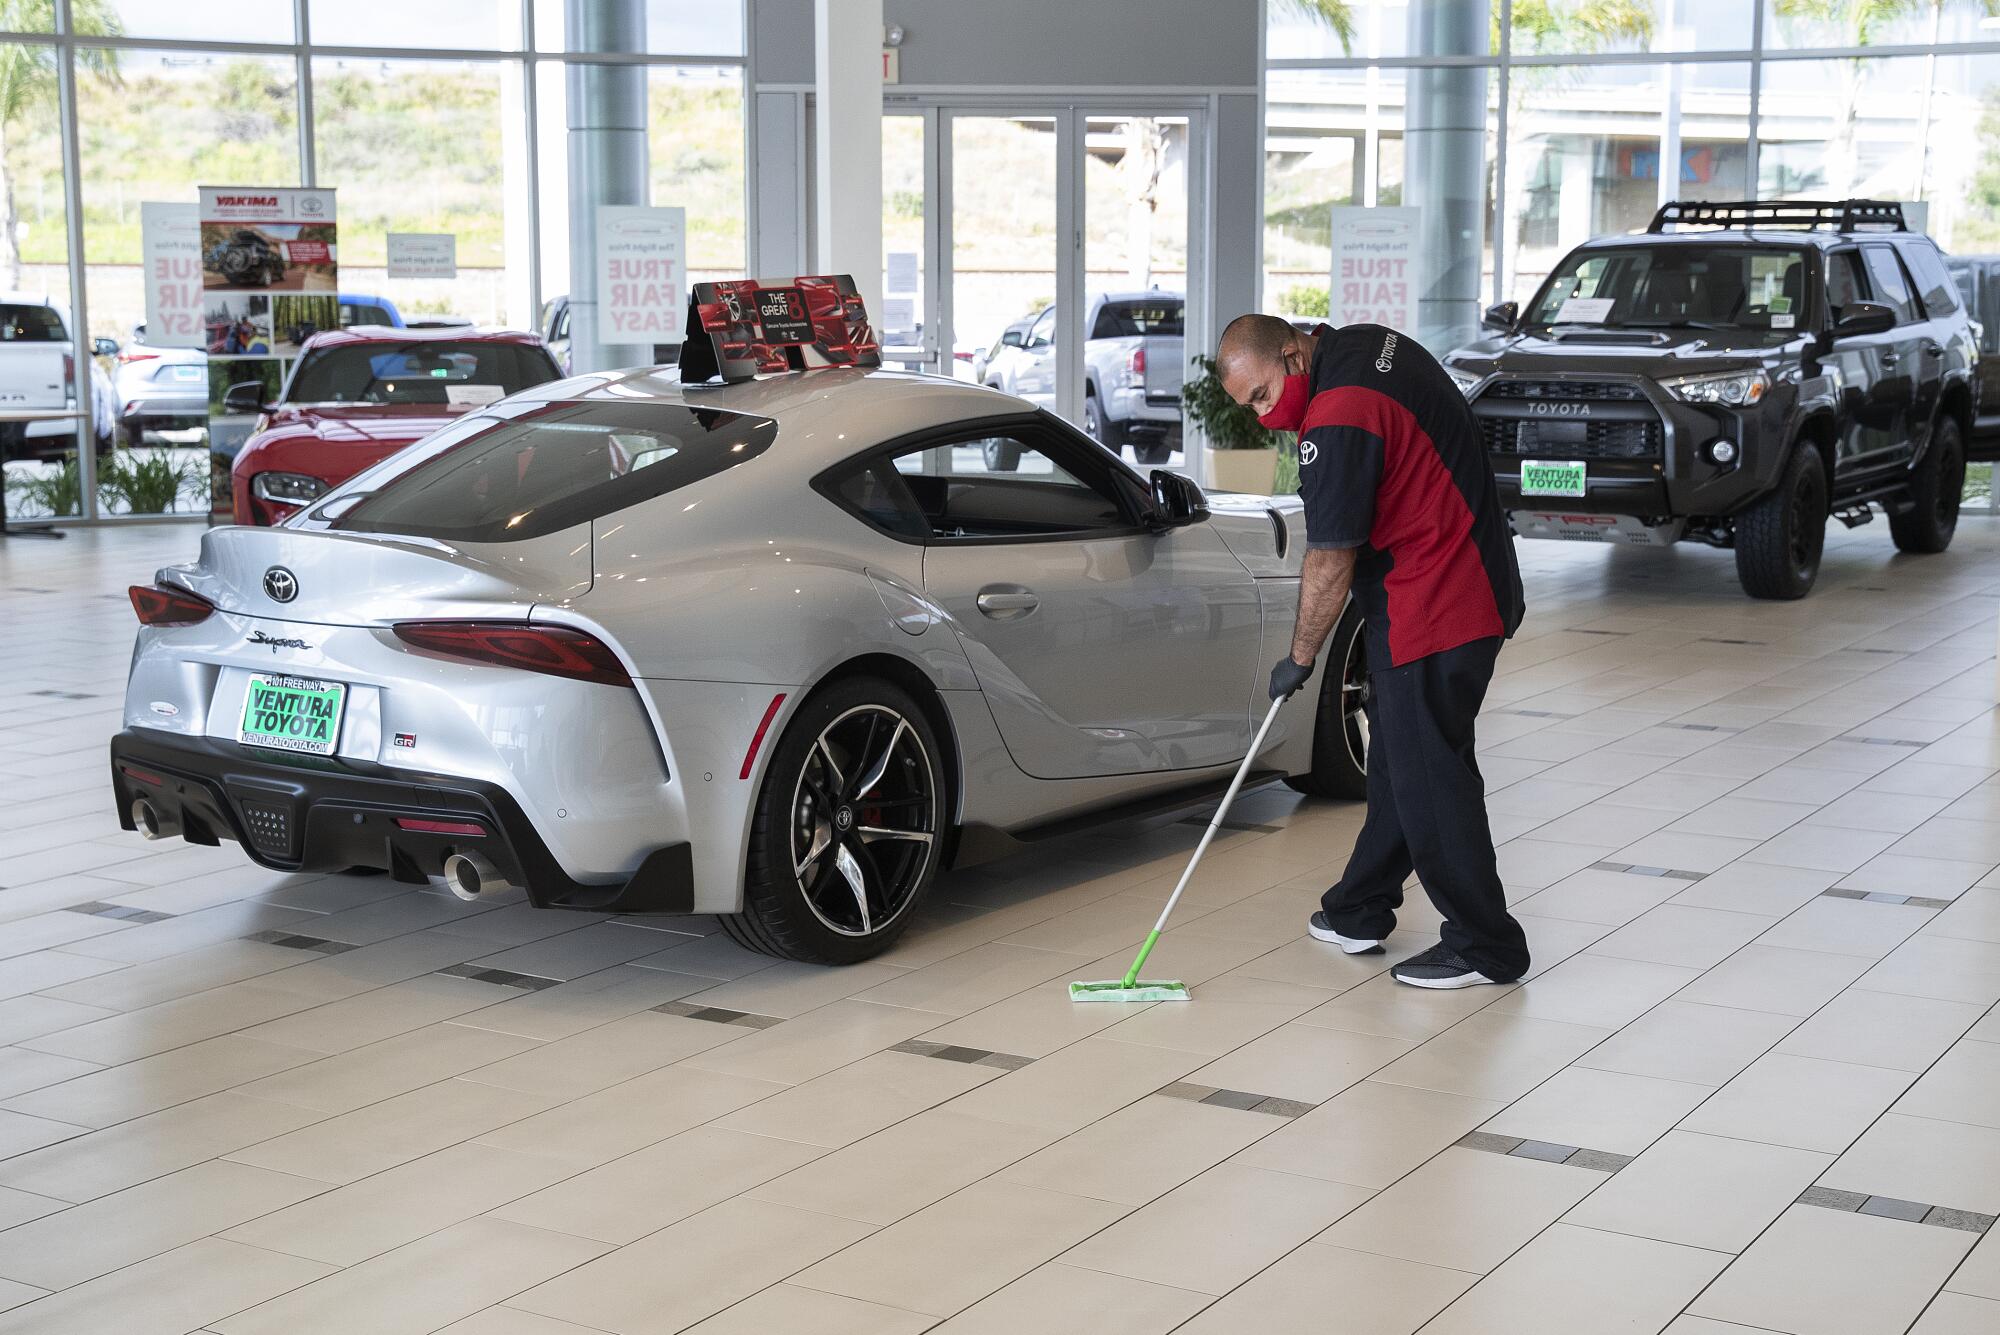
x=1467, y=381
x=287, y=488
x=1731, y=389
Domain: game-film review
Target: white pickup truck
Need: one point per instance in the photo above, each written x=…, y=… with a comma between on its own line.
x=37, y=373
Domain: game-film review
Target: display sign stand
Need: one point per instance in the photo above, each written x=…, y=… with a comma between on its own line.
x=750, y=327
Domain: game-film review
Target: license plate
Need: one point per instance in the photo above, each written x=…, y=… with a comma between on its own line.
x=1548, y=477
x=292, y=714
x=191, y=373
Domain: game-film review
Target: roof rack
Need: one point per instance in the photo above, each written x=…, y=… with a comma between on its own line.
x=1840, y=215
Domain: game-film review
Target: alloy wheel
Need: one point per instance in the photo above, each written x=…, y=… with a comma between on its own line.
x=1354, y=700
x=865, y=820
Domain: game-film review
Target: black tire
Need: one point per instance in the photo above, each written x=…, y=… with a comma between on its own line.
x=1153, y=452
x=1100, y=428
x=1780, y=538
x=1002, y=456
x=799, y=899
x=1340, y=729
x=1936, y=487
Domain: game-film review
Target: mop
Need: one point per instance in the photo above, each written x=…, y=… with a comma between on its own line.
x=1130, y=988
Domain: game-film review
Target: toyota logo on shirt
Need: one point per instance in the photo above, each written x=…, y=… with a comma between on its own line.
x=1308, y=451
x=281, y=584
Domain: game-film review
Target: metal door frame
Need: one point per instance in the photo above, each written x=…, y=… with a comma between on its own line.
x=1070, y=114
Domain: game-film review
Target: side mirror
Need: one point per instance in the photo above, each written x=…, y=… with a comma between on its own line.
x=1177, y=501
x=104, y=347
x=1502, y=317
x=1859, y=318
x=244, y=398
x=1011, y=339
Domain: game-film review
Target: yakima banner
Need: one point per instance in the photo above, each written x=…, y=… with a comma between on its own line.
x=170, y=244
x=641, y=273
x=1375, y=266
x=258, y=239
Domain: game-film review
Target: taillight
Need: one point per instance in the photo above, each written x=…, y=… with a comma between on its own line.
x=69, y=369
x=469, y=829
x=163, y=605
x=128, y=358
x=556, y=650
x=1136, y=363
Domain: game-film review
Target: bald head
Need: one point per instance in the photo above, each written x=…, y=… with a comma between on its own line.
x=1255, y=355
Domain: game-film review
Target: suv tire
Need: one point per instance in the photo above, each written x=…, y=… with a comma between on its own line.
x=1340, y=728
x=1936, y=486
x=1780, y=538
x=1098, y=426
x=1001, y=456
x=816, y=833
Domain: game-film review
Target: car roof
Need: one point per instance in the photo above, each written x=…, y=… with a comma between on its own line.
x=382, y=333
x=823, y=415
x=1758, y=236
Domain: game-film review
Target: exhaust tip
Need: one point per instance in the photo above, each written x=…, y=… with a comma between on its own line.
x=151, y=822
x=469, y=876
x=461, y=877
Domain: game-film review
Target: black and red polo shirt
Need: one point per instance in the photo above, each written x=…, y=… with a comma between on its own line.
x=1391, y=462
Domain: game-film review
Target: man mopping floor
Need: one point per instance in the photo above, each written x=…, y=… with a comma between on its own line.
x=1401, y=508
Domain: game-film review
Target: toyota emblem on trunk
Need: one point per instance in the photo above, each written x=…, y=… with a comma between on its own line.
x=281, y=584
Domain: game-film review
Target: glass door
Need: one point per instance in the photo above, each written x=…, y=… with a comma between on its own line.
x=1003, y=288
x=906, y=326
x=1135, y=268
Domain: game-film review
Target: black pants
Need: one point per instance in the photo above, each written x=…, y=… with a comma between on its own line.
x=1427, y=811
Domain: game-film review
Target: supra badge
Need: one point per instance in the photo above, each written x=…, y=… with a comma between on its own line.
x=281, y=584
x=259, y=637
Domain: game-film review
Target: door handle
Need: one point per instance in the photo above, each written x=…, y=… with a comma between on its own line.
x=1933, y=349
x=1890, y=359
x=1007, y=603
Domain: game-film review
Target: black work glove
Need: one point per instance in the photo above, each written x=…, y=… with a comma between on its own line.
x=1288, y=676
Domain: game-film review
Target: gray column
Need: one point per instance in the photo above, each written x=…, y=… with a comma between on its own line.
x=607, y=159
x=1444, y=165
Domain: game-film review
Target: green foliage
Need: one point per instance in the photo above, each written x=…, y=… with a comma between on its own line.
x=151, y=483
x=1335, y=14
x=1227, y=423
x=57, y=493
x=906, y=204
x=1307, y=300
x=1577, y=26
x=1979, y=229
x=1287, y=483
x=1864, y=22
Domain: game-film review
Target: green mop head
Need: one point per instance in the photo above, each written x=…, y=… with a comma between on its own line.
x=1119, y=989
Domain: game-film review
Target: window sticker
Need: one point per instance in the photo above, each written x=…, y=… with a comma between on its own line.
x=1779, y=321
x=477, y=396
x=1585, y=310
x=1781, y=305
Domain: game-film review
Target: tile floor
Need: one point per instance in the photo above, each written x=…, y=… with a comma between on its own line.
x=1753, y=1084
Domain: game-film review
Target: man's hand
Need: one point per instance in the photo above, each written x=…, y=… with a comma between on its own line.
x=1287, y=677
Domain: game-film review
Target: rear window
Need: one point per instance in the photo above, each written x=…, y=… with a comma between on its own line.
x=560, y=466
x=1129, y=319
x=1934, y=285
x=30, y=324
x=431, y=371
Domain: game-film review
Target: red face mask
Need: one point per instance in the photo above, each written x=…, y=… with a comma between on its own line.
x=1289, y=412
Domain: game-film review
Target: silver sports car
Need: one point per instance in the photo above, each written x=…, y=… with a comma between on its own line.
x=782, y=650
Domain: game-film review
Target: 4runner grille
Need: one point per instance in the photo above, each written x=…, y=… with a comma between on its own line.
x=1598, y=390
x=1601, y=440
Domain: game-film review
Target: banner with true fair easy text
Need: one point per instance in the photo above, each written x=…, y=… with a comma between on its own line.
x=1375, y=266
x=641, y=273
x=170, y=242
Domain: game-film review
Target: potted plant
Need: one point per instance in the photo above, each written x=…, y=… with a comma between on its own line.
x=1242, y=455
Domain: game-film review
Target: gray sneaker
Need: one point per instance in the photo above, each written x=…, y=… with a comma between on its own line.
x=1438, y=967
x=1321, y=930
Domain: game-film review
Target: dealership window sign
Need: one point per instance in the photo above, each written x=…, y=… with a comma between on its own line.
x=170, y=244
x=423, y=255
x=1375, y=266
x=641, y=273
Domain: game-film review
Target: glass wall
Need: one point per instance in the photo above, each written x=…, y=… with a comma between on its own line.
x=445, y=116
x=1598, y=111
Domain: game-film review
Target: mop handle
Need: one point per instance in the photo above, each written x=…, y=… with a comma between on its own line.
x=1242, y=773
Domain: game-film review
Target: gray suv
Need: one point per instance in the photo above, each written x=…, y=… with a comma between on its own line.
x=1734, y=375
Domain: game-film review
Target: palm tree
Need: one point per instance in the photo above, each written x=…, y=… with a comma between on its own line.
x=1337, y=15
x=1858, y=23
x=28, y=84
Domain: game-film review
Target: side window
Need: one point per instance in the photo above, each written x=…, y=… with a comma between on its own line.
x=1844, y=283
x=1934, y=284
x=878, y=495
x=1892, y=288
x=1043, y=331
x=1016, y=485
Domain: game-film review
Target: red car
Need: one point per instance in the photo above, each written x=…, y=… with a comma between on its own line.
x=356, y=396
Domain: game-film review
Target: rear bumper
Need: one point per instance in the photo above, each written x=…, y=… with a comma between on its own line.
x=312, y=815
